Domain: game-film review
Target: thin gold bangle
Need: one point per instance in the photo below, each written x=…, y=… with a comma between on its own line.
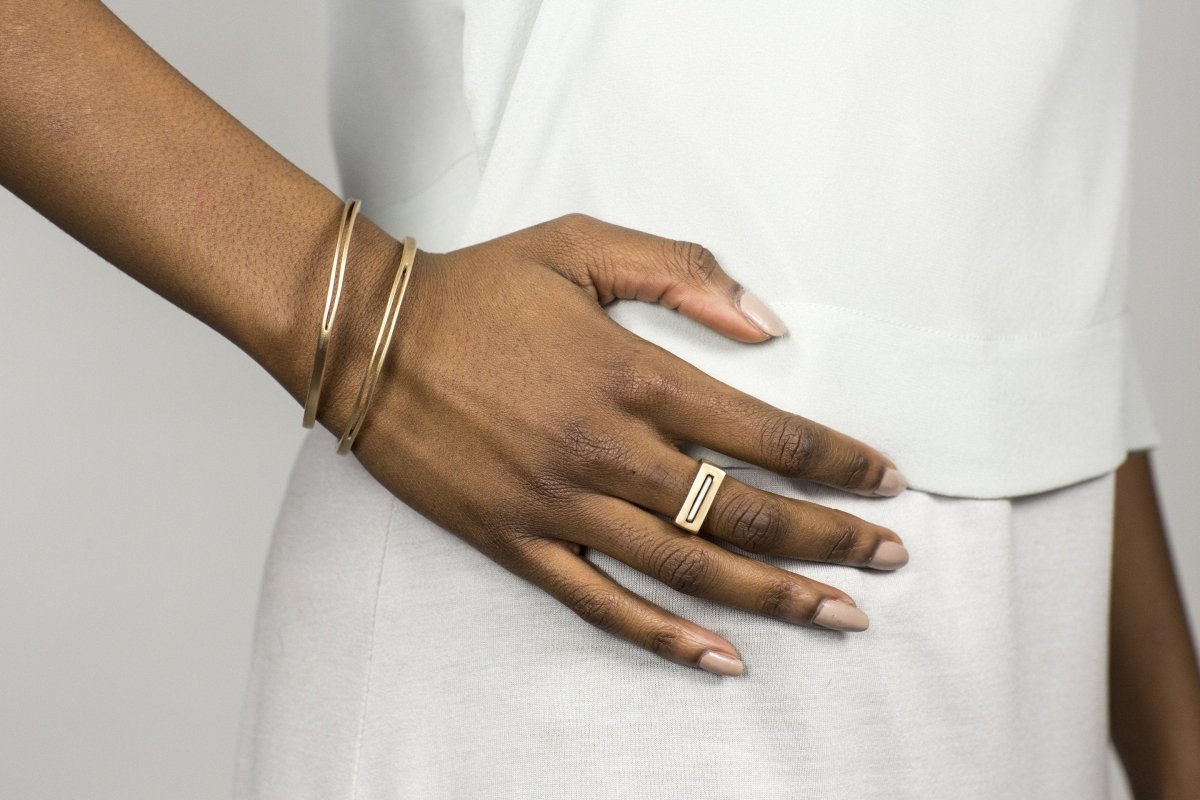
x=337, y=275
x=375, y=367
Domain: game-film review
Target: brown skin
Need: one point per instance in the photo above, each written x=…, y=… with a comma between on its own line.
x=513, y=410
x=1154, y=693
x=546, y=423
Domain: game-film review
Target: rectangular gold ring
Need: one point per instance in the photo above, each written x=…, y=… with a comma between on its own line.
x=700, y=496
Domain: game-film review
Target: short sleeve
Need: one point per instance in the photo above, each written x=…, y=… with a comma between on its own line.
x=1141, y=432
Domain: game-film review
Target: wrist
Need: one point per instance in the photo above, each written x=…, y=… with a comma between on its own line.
x=286, y=333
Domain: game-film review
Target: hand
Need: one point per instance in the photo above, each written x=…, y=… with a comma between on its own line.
x=514, y=412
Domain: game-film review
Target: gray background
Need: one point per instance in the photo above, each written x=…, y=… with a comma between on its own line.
x=143, y=458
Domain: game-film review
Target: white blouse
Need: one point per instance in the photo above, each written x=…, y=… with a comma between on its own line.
x=933, y=195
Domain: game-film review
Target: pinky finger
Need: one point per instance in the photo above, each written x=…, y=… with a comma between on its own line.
x=601, y=601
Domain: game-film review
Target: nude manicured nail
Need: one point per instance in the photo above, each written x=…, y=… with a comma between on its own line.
x=839, y=616
x=889, y=555
x=758, y=313
x=893, y=483
x=720, y=664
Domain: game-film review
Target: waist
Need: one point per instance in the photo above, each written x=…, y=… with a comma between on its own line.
x=961, y=416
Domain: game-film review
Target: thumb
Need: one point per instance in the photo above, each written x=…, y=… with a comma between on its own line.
x=614, y=262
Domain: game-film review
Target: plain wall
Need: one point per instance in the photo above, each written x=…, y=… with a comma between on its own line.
x=143, y=458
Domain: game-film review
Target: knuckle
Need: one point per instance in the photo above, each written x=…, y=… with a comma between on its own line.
x=579, y=231
x=592, y=447
x=753, y=523
x=639, y=379
x=549, y=489
x=685, y=568
x=506, y=537
x=596, y=605
x=663, y=641
x=575, y=222
x=857, y=470
x=780, y=600
x=694, y=261
x=847, y=545
x=790, y=443
x=568, y=242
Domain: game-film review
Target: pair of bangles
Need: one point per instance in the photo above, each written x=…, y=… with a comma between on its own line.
x=391, y=314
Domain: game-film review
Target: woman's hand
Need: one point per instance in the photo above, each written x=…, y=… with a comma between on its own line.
x=515, y=413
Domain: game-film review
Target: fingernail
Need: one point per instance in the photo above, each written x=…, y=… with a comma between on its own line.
x=889, y=555
x=839, y=616
x=720, y=664
x=893, y=483
x=757, y=312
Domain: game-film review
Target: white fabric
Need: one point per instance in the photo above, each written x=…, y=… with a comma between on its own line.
x=933, y=195
x=394, y=661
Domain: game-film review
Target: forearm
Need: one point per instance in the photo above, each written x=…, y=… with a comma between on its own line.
x=107, y=140
x=1155, y=687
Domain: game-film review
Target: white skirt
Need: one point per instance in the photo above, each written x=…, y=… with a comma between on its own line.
x=392, y=660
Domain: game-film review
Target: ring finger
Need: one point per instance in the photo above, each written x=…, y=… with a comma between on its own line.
x=696, y=566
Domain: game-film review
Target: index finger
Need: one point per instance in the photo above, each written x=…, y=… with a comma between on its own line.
x=685, y=403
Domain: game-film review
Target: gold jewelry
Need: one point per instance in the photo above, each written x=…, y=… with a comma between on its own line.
x=375, y=367
x=700, y=497
x=337, y=274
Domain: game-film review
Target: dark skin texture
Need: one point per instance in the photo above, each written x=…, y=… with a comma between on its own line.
x=559, y=425
x=1154, y=689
